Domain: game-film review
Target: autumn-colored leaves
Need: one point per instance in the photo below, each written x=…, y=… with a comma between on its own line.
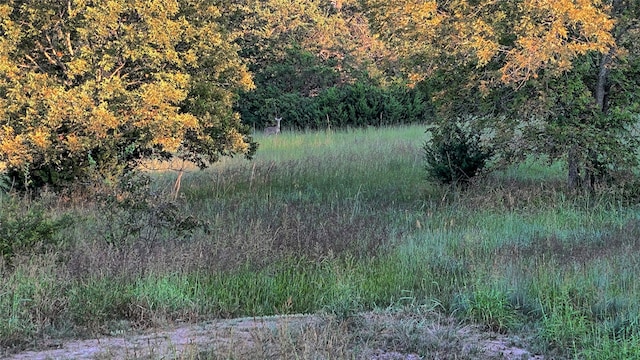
x=84, y=77
x=550, y=34
x=520, y=38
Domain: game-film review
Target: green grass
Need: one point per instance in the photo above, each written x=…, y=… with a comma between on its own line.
x=342, y=223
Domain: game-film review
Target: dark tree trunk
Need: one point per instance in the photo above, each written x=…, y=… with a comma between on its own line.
x=574, y=180
x=591, y=175
x=601, y=92
x=601, y=95
x=585, y=170
x=582, y=172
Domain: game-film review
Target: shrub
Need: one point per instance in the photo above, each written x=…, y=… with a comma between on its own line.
x=454, y=154
x=27, y=228
x=5, y=183
x=132, y=211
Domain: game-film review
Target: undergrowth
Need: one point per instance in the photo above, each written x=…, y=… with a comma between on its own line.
x=339, y=223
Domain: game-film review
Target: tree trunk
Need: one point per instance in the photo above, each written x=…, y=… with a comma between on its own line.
x=601, y=97
x=574, y=181
x=601, y=92
x=591, y=174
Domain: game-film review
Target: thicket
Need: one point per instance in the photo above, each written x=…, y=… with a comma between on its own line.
x=29, y=229
x=351, y=105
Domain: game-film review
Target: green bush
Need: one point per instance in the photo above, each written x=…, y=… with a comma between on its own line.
x=454, y=154
x=27, y=228
x=5, y=183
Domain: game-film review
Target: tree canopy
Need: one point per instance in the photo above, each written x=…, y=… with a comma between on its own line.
x=549, y=74
x=92, y=87
x=98, y=85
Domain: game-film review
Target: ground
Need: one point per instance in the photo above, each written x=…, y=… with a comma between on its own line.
x=381, y=336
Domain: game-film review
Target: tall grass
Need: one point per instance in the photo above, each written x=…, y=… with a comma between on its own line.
x=342, y=223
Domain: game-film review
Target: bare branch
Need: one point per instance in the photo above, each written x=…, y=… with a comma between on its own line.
x=117, y=70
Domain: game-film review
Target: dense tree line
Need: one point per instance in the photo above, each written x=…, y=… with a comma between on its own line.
x=90, y=88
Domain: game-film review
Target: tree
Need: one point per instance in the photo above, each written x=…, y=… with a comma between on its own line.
x=298, y=49
x=93, y=87
x=551, y=63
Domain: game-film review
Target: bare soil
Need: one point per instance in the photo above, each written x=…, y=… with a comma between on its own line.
x=291, y=336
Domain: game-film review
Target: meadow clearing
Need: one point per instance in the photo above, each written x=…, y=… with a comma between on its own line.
x=338, y=224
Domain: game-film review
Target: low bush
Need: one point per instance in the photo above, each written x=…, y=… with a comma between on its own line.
x=454, y=154
x=27, y=228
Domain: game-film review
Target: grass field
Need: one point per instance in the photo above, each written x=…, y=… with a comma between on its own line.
x=337, y=223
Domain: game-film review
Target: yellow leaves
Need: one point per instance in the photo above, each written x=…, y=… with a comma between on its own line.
x=101, y=121
x=40, y=138
x=238, y=142
x=552, y=34
x=482, y=42
x=158, y=111
x=406, y=18
x=191, y=58
x=246, y=81
x=5, y=11
x=74, y=143
x=14, y=150
x=187, y=121
x=522, y=38
x=214, y=11
x=10, y=35
x=485, y=51
x=161, y=94
x=77, y=67
x=415, y=78
x=104, y=18
x=7, y=67
x=170, y=134
x=108, y=89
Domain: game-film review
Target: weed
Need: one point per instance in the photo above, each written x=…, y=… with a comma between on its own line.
x=133, y=212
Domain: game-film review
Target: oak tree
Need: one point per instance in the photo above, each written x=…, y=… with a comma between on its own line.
x=94, y=86
x=555, y=64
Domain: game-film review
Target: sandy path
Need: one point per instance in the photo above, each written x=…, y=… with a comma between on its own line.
x=188, y=341
x=182, y=341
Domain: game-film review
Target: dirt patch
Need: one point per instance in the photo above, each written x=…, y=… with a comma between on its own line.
x=380, y=337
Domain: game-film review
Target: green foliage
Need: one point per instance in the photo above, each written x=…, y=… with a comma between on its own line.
x=28, y=228
x=5, y=183
x=486, y=305
x=565, y=325
x=599, y=141
x=454, y=153
x=353, y=105
x=32, y=300
x=96, y=302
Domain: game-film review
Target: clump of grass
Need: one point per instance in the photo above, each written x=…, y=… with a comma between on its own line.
x=32, y=301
